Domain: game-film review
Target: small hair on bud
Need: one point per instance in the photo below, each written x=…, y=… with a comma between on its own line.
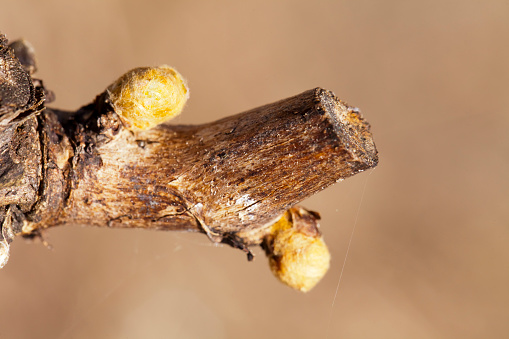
x=4, y=253
x=297, y=254
x=148, y=96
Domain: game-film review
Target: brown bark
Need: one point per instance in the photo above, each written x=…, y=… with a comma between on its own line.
x=230, y=179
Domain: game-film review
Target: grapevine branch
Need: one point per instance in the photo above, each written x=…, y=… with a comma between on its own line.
x=237, y=179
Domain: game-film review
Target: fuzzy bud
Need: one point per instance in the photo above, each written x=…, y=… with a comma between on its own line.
x=148, y=96
x=297, y=254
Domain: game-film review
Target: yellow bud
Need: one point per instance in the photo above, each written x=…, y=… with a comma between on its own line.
x=297, y=254
x=148, y=96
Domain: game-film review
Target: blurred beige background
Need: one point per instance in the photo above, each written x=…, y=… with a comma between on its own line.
x=429, y=257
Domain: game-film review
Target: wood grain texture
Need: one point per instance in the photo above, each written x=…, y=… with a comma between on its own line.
x=234, y=176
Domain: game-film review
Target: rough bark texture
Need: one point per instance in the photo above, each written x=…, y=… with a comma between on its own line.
x=230, y=179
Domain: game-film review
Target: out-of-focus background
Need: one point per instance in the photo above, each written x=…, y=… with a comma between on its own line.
x=429, y=257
